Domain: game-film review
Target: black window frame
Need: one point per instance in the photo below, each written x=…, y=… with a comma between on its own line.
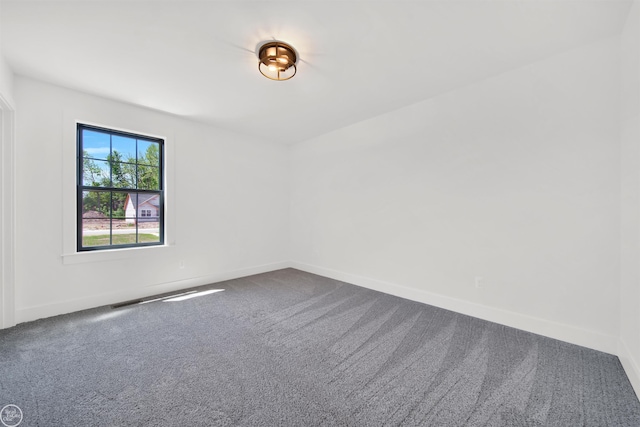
x=81, y=188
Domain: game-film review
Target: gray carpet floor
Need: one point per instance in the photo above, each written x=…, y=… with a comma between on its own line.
x=289, y=348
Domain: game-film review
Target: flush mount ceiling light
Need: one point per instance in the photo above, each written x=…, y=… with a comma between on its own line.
x=277, y=61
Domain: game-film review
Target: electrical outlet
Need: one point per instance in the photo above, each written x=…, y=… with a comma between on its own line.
x=478, y=282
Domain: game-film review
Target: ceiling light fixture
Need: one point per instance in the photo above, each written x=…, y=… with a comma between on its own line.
x=277, y=61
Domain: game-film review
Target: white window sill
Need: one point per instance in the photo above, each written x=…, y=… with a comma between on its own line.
x=114, y=254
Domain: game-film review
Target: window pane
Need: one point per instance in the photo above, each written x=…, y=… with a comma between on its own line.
x=149, y=225
x=122, y=236
x=124, y=147
x=124, y=221
x=94, y=233
x=148, y=235
x=96, y=223
x=148, y=153
x=118, y=205
x=123, y=175
x=95, y=173
x=95, y=144
x=96, y=206
x=148, y=177
x=131, y=206
x=148, y=207
x=124, y=232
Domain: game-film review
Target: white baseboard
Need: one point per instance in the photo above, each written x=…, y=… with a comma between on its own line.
x=630, y=365
x=48, y=310
x=559, y=331
x=563, y=332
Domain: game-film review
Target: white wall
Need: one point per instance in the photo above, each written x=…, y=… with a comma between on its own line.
x=514, y=179
x=227, y=205
x=6, y=80
x=6, y=75
x=629, y=351
x=7, y=143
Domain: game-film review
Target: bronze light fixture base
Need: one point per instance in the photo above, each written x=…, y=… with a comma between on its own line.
x=277, y=61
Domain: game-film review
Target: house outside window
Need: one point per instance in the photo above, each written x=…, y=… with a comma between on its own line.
x=147, y=206
x=119, y=189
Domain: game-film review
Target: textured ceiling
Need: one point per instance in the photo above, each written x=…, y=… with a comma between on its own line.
x=358, y=59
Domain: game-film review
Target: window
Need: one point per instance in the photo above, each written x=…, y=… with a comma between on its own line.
x=119, y=183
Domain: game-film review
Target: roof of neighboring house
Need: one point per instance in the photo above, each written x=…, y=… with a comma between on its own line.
x=152, y=199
